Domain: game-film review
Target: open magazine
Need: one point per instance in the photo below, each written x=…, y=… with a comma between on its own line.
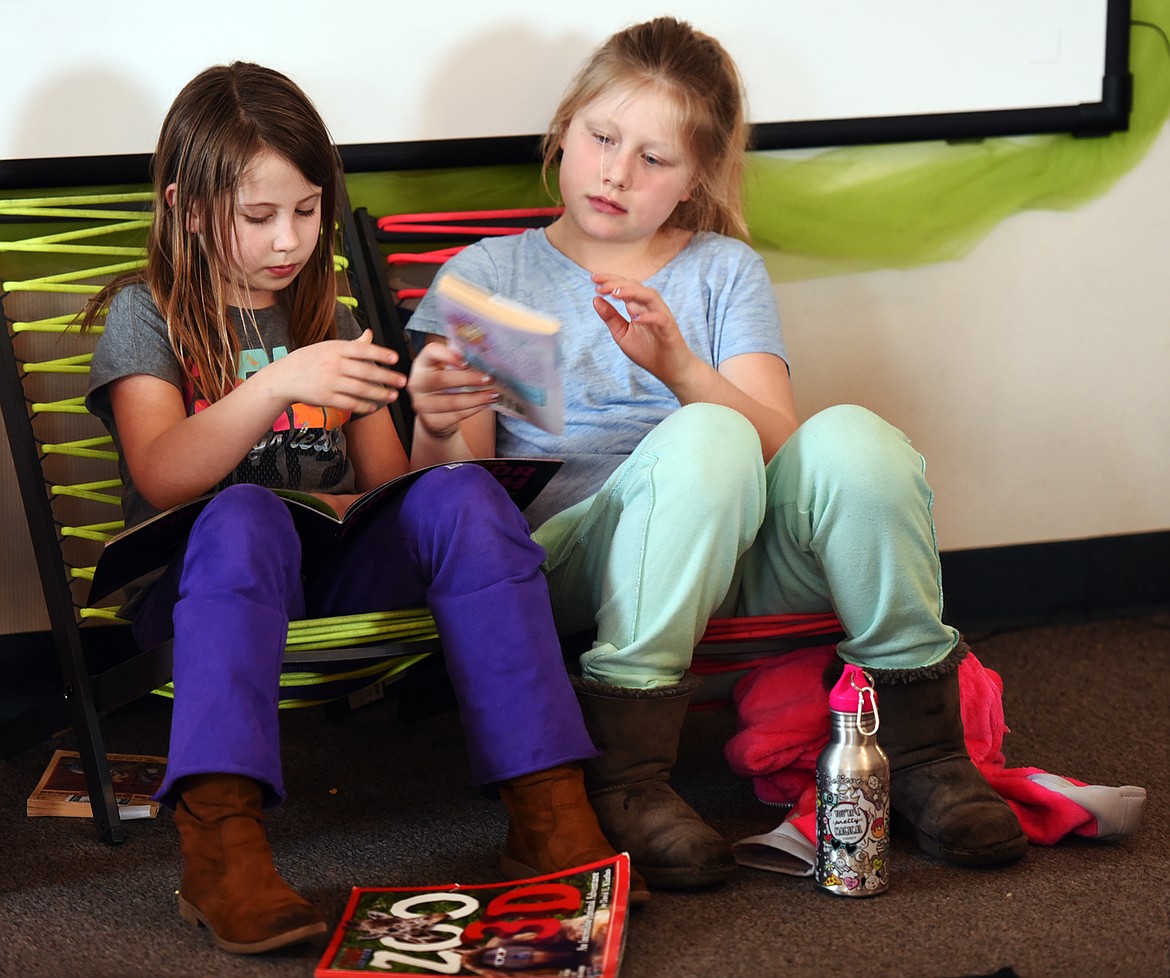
x=513, y=343
x=151, y=544
x=568, y=924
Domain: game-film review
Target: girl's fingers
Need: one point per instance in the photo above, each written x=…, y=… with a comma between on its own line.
x=454, y=381
x=442, y=414
x=379, y=356
x=373, y=367
x=455, y=402
x=623, y=289
x=609, y=315
x=638, y=299
x=443, y=354
x=618, y=286
x=439, y=368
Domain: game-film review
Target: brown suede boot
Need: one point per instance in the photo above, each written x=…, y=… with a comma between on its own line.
x=229, y=883
x=629, y=786
x=935, y=787
x=551, y=827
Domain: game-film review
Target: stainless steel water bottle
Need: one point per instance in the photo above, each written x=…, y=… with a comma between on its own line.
x=853, y=793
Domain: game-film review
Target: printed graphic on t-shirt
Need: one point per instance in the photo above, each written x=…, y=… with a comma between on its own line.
x=304, y=439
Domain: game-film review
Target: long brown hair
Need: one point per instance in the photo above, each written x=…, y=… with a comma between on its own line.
x=216, y=126
x=697, y=72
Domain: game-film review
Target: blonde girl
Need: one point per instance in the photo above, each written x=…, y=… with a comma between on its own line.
x=691, y=488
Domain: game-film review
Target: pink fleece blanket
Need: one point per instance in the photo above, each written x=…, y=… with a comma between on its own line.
x=783, y=722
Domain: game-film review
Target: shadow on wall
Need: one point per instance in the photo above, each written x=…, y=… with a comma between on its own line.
x=514, y=94
x=84, y=131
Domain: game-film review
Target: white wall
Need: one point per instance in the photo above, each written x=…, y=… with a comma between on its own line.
x=390, y=70
x=1033, y=374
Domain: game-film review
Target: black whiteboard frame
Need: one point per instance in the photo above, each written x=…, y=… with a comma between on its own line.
x=1088, y=119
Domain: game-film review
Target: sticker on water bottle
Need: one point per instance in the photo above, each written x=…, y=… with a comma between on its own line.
x=853, y=837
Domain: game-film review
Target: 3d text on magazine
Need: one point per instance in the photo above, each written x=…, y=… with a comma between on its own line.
x=568, y=924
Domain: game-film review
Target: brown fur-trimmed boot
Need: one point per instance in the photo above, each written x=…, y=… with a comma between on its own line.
x=935, y=787
x=552, y=827
x=229, y=883
x=638, y=731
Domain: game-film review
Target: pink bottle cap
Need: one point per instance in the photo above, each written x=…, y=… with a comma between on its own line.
x=846, y=693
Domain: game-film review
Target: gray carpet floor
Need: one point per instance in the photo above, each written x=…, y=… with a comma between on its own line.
x=377, y=798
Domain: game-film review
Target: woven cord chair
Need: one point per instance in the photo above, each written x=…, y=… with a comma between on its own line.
x=66, y=469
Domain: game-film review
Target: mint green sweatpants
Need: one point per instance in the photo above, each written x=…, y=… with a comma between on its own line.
x=694, y=525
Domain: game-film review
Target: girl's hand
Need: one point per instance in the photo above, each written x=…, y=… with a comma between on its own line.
x=351, y=375
x=650, y=337
x=445, y=391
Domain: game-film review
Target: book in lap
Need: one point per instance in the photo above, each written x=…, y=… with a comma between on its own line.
x=149, y=545
x=516, y=345
x=62, y=789
x=569, y=923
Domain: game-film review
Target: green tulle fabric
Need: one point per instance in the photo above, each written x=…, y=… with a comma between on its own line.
x=900, y=205
x=858, y=208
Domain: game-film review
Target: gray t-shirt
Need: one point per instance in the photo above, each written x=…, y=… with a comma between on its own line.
x=719, y=292
x=305, y=448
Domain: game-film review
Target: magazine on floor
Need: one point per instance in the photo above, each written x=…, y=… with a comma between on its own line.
x=567, y=924
x=63, y=790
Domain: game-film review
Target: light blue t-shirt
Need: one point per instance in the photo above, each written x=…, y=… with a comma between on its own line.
x=719, y=293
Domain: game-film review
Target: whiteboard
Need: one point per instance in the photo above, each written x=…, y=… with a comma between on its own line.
x=85, y=79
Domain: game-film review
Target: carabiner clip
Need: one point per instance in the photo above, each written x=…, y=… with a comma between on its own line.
x=861, y=691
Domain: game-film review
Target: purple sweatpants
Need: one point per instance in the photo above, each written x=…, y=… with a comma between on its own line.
x=452, y=541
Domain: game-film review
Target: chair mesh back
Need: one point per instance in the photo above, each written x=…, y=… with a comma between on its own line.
x=70, y=248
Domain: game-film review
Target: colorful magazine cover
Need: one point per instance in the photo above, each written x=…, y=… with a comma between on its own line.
x=62, y=789
x=567, y=924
